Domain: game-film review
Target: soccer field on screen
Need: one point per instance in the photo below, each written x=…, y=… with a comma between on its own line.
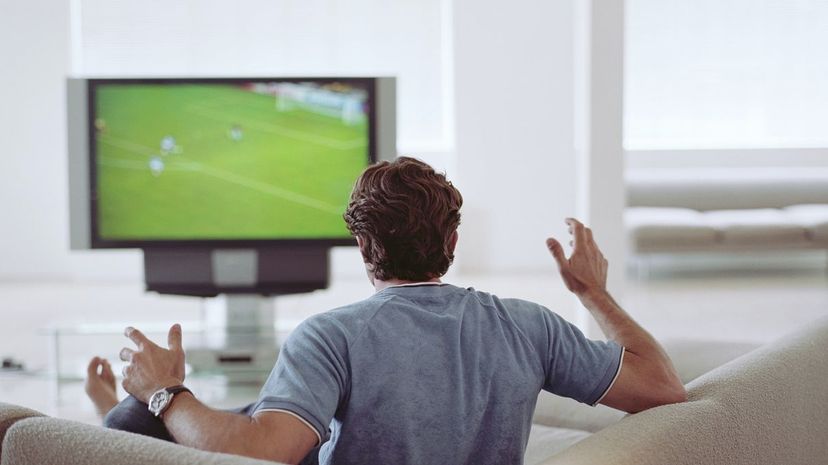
x=220, y=161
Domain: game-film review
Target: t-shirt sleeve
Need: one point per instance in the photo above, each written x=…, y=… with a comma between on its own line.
x=573, y=365
x=310, y=376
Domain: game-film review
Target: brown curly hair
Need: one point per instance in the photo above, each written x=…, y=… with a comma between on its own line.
x=405, y=214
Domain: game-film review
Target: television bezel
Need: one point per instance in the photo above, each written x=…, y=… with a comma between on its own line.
x=98, y=242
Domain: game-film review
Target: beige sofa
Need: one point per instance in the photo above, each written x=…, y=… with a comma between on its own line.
x=726, y=209
x=767, y=407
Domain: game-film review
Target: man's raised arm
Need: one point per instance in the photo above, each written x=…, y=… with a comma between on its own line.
x=647, y=378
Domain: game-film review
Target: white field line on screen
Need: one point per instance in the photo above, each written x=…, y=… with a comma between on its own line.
x=266, y=188
x=227, y=176
x=141, y=149
x=280, y=130
x=141, y=166
x=127, y=145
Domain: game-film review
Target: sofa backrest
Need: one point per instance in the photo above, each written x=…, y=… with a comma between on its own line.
x=726, y=188
x=768, y=407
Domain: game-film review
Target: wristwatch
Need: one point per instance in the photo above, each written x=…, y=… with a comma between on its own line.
x=161, y=400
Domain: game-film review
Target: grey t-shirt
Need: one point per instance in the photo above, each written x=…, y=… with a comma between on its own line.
x=432, y=374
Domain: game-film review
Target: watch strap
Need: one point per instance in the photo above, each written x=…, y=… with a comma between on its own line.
x=178, y=388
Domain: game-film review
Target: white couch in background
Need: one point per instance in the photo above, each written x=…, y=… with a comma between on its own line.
x=727, y=209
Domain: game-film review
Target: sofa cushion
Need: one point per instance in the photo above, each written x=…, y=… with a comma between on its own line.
x=756, y=227
x=814, y=218
x=654, y=227
x=546, y=441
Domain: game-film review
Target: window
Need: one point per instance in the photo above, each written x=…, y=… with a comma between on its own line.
x=726, y=74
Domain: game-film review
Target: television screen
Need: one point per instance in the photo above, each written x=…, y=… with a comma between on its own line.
x=226, y=159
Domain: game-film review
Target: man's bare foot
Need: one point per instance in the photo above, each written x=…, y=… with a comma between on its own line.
x=100, y=385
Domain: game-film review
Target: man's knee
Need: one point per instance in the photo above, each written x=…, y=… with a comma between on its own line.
x=132, y=415
x=124, y=415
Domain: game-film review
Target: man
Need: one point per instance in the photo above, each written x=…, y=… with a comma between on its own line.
x=156, y=165
x=422, y=371
x=167, y=145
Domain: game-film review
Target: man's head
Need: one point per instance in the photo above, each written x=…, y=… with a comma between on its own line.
x=405, y=217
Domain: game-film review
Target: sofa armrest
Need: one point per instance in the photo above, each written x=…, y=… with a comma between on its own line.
x=692, y=359
x=10, y=414
x=36, y=441
x=764, y=408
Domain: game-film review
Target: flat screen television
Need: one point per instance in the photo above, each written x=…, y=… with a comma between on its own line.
x=228, y=185
x=221, y=162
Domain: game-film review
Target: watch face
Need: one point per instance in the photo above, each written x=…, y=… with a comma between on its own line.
x=158, y=401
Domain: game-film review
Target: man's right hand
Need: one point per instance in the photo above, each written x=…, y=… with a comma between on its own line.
x=585, y=271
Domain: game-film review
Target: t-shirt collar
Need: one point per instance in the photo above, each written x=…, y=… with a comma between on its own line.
x=417, y=284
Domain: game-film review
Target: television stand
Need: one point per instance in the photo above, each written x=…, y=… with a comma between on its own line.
x=239, y=337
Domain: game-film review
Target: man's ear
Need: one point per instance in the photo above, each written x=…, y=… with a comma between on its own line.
x=361, y=246
x=453, y=241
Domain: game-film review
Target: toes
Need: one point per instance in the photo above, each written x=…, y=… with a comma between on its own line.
x=106, y=370
x=92, y=369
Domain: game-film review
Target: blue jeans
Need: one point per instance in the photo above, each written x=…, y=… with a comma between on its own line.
x=133, y=416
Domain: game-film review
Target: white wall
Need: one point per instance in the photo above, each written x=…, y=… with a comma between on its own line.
x=34, y=46
x=514, y=130
x=599, y=64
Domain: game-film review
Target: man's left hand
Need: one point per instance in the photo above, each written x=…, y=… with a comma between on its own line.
x=152, y=367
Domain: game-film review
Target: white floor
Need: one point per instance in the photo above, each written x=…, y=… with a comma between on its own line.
x=746, y=307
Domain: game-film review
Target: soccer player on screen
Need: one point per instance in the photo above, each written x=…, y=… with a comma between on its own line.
x=167, y=145
x=420, y=372
x=235, y=133
x=156, y=165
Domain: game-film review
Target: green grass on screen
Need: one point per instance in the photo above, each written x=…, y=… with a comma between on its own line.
x=288, y=175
